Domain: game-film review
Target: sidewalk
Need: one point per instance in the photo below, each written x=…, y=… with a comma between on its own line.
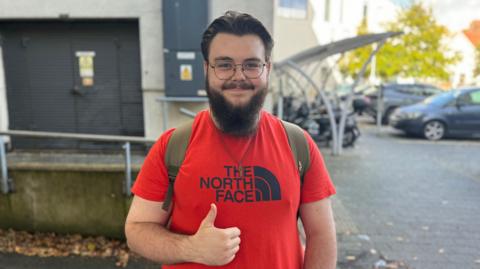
x=355, y=251
x=15, y=261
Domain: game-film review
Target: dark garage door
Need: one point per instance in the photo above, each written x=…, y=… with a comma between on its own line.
x=77, y=77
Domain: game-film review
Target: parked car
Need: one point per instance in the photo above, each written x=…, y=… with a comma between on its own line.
x=454, y=113
x=397, y=95
x=360, y=101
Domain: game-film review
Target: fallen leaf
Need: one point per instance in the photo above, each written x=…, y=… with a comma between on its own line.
x=55, y=245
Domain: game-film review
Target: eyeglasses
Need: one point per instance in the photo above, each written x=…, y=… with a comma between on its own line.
x=225, y=70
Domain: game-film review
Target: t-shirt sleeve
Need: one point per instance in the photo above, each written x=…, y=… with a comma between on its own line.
x=317, y=184
x=152, y=180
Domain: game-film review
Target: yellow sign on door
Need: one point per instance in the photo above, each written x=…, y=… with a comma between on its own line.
x=85, y=66
x=186, y=72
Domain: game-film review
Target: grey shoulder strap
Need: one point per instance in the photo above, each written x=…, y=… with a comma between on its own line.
x=174, y=155
x=299, y=146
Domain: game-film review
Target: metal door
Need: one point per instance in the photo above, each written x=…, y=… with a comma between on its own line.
x=48, y=88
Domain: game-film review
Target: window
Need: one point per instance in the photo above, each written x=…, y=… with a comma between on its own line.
x=410, y=90
x=431, y=91
x=293, y=8
x=467, y=99
x=475, y=97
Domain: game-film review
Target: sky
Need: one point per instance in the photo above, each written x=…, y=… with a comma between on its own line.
x=455, y=14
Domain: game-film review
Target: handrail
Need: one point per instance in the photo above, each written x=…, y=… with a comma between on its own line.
x=89, y=137
x=6, y=183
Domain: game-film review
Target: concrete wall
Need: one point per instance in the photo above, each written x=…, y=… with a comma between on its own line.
x=66, y=200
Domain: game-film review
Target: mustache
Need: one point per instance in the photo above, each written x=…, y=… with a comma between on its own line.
x=241, y=85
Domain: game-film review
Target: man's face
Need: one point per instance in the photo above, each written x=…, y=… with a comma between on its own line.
x=239, y=89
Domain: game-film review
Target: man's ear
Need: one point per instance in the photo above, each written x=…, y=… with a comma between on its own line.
x=269, y=67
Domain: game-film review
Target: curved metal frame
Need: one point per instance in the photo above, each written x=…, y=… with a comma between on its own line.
x=331, y=117
x=318, y=54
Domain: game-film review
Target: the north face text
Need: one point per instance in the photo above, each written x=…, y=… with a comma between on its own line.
x=246, y=185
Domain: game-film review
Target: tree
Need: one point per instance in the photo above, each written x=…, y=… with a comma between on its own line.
x=419, y=53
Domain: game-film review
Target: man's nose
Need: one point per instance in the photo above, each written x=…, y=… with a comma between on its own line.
x=238, y=72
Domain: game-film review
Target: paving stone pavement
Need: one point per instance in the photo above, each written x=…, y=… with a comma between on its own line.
x=401, y=203
x=406, y=202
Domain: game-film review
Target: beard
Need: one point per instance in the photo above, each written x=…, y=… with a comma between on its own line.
x=237, y=120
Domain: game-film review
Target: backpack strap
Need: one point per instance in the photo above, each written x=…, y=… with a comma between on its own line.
x=174, y=155
x=299, y=146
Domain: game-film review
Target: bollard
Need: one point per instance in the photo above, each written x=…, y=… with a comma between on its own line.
x=3, y=164
x=128, y=169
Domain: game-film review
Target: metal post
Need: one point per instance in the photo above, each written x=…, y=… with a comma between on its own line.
x=188, y=112
x=3, y=164
x=328, y=105
x=280, y=99
x=379, y=107
x=128, y=169
x=343, y=117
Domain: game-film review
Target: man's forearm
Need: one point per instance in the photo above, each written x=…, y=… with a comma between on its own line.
x=158, y=244
x=320, y=253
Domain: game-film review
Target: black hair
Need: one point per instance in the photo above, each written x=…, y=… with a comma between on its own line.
x=236, y=23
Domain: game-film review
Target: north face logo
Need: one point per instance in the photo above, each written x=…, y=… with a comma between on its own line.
x=251, y=184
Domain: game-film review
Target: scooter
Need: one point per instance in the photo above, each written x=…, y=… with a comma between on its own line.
x=314, y=119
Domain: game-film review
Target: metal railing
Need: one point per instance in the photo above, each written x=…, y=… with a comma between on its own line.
x=7, y=183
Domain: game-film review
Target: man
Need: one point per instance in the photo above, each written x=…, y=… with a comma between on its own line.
x=238, y=192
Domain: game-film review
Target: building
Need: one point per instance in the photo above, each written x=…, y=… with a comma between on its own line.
x=465, y=42
x=97, y=67
x=101, y=67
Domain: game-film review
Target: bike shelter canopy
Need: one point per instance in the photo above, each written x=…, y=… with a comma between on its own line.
x=296, y=68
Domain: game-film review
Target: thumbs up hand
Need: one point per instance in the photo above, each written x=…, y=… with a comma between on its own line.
x=212, y=245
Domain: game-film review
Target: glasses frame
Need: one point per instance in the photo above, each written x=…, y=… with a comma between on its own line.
x=213, y=66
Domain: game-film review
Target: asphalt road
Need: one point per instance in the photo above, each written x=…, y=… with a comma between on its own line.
x=407, y=200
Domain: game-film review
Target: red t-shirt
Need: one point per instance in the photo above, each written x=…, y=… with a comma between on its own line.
x=262, y=201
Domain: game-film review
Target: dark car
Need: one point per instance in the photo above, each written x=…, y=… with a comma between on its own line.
x=454, y=113
x=397, y=95
x=360, y=101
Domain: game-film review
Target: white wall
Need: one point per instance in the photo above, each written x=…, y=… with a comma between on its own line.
x=3, y=97
x=464, y=68
x=346, y=16
x=262, y=10
x=292, y=34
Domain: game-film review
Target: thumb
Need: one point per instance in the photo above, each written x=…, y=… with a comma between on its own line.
x=209, y=220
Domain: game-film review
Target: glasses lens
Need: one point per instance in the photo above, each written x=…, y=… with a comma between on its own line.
x=224, y=69
x=252, y=69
